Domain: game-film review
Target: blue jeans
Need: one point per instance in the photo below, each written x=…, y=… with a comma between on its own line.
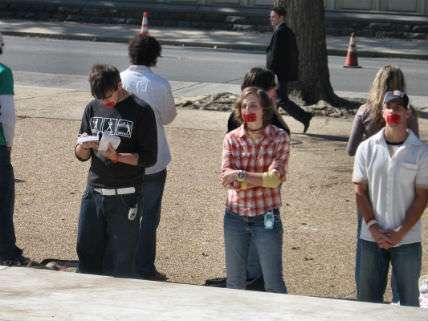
x=8, y=248
x=406, y=262
x=254, y=270
x=107, y=235
x=394, y=287
x=151, y=200
x=239, y=232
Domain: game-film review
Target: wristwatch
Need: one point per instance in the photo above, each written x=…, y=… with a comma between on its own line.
x=242, y=175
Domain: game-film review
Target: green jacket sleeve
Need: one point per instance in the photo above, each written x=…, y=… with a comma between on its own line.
x=6, y=80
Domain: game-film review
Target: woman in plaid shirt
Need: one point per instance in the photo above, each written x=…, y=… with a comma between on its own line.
x=255, y=158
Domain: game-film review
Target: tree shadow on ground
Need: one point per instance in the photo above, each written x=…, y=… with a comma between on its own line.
x=329, y=137
x=423, y=114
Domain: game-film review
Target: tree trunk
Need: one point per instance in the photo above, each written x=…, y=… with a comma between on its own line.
x=306, y=19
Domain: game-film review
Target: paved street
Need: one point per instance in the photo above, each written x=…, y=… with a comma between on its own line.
x=65, y=64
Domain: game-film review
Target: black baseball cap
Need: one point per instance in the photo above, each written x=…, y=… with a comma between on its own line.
x=398, y=96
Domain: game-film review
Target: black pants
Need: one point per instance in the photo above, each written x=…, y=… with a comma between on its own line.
x=288, y=105
x=107, y=235
x=8, y=248
x=151, y=201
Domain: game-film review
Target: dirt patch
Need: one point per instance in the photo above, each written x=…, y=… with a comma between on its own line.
x=318, y=210
x=318, y=204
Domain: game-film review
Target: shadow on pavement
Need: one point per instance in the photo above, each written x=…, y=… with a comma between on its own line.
x=329, y=137
x=423, y=114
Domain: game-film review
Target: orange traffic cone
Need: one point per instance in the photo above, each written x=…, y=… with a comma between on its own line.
x=145, y=24
x=351, y=60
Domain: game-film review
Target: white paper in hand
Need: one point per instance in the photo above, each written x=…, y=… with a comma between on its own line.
x=87, y=139
x=107, y=139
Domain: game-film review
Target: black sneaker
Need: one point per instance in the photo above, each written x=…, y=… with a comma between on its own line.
x=18, y=261
x=256, y=284
x=253, y=284
x=217, y=282
x=155, y=276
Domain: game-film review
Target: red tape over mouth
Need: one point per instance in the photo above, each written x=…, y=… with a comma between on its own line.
x=393, y=119
x=249, y=118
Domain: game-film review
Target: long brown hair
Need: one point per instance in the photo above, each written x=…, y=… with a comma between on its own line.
x=389, y=77
x=264, y=101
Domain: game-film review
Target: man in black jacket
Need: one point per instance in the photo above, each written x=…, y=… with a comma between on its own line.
x=282, y=59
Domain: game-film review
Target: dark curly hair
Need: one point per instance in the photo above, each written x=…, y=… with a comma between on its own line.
x=264, y=101
x=144, y=50
x=103, y=78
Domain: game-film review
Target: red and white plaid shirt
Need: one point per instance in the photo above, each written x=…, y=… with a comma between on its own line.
x=241, y=153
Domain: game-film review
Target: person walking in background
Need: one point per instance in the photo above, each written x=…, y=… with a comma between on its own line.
x=109, y=214
x=10, y=254
x=391, y=189
x=367, y=122
x=141, y=81
x=282, y=58
x=255, y=158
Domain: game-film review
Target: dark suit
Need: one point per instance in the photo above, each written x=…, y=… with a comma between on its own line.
x=282, y=58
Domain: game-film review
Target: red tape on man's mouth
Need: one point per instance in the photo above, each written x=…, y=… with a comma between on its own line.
x=393, y=119
x=249, y=118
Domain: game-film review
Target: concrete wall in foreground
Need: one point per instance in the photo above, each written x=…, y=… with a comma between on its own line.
x=34, y=295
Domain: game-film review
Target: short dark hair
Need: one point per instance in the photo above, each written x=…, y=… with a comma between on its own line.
x=259, y=77
x=144, y=50
x=264, y=100
x=103, y=78
x=280, y=11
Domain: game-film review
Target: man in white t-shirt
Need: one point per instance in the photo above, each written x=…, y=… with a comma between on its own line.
x=141, y=81
x=391, y=187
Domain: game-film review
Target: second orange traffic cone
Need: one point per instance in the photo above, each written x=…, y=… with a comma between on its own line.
x=145, y=24
x=351, y=60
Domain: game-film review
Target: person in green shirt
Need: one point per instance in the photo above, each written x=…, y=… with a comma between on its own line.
x=10, y=254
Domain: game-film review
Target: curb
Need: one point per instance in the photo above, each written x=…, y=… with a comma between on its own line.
x=218, y=45
x=379, y=54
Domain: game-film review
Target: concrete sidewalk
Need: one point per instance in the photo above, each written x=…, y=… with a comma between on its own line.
x=46, y=295
x=240, y=40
